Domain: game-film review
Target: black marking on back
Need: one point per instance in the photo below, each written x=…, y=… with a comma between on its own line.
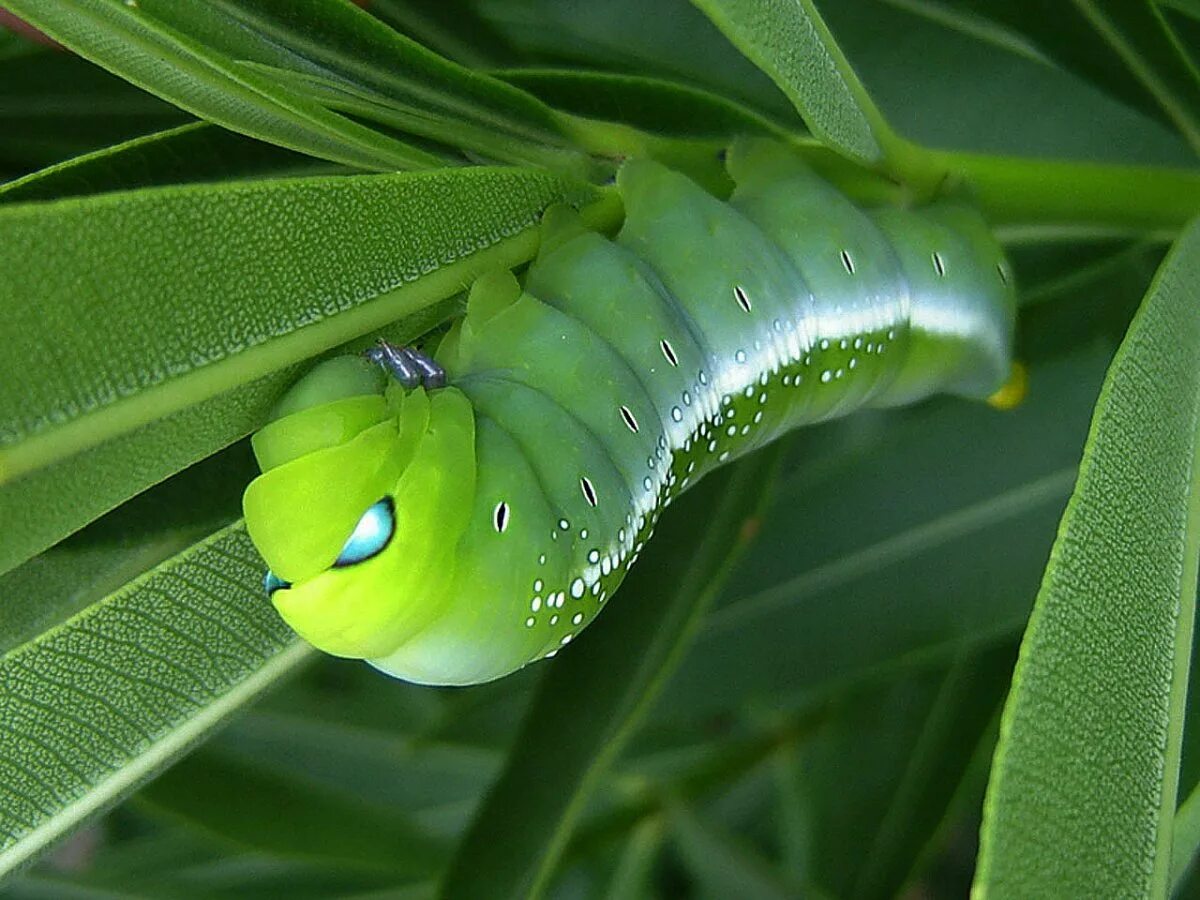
x=669, y=352
x=589, y=492
x=630, y=421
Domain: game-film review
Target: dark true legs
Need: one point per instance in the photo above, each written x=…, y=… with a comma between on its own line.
x=408, y=366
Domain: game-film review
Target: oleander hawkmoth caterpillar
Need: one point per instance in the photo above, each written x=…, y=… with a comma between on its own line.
x=450, y=534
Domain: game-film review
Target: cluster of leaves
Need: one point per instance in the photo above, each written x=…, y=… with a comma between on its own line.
x=799, y=691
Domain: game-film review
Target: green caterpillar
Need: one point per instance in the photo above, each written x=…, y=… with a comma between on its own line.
x=451, y=534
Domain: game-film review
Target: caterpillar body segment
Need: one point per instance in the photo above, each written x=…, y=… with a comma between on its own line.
x=450, y=535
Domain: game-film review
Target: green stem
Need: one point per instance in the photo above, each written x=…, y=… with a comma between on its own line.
x=1056, y=198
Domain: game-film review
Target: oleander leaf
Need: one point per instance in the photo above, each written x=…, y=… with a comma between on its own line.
x=789, y=41
x=247, y=66
x=1083, y=786
x=106, y=697
x=190, y=153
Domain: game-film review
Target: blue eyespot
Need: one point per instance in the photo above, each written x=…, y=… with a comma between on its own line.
x=372, y=533
x=273, y=583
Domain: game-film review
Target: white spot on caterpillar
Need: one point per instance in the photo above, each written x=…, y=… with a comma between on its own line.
x=668, y=352
x=563, y=524
x=740, y=356
x=589, y=492
x=500, y=517
x=554, y=620
x=676, y=413
x=593, y=556
x=577, y=588
x=537, y=586
x=939, y=264
x=826, y=377
x=847, y=262
x=575, y=620
x=702, y=377
x=740, y=296
x=724, y=456
x=583, y=534
x=566, y=639
x=731, y=430
x=529, y=622
x=536, y=604
x=630, y=421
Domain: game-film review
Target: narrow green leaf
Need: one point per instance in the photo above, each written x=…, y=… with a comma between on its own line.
x=244, y=802
x=54, y=586
x=433, y=782
x=457, y=32
x=187, y=154
x=613, y=673
x=1082, y=792
x=54, y=105
x=245, y=62
x=631, y=880
x=722, y=865
x=95, y=706
x=655, y=105
x=1185, y=840
x=894, y=825
x=143, y=48
x=790, y=42
x=794, y=813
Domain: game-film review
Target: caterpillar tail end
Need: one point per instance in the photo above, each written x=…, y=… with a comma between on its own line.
x=1012, y=393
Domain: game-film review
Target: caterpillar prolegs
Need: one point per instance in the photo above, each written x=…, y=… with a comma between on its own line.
x=452, y=534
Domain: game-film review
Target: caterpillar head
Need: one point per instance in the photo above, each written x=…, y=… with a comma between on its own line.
x=363, y=497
